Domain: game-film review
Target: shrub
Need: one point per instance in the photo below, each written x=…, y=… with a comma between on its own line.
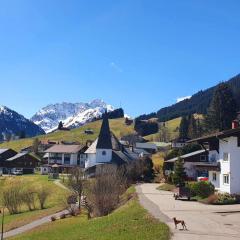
x=202, y=189
x=28, y=197
x=42, y=195
x=225, y=198
x=12, y=197
x=103, y=194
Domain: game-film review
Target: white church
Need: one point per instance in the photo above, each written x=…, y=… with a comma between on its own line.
x=106, y=149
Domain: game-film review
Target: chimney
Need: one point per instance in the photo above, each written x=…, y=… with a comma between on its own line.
x=235, y=124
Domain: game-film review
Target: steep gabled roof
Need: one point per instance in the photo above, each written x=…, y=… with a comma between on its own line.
x=104, y=139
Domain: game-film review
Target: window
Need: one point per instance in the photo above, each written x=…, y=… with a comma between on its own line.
x=104, y=153
x=226, y=179
x=214, y=176
x=213, y=158
x=203, y=158
x=225, y=157
x=67, y=158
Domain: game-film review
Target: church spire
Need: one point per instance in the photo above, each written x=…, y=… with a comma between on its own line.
x=104, y=139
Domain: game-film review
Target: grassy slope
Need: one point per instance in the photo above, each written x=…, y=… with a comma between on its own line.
x=130, y=222
x=117, y=126
x=171, y=125
x=53, y=203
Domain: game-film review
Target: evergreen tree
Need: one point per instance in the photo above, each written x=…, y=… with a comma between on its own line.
x=222, y=109
x=192, y=127
x=179, y=174
x=60, y=125
x=183, y=129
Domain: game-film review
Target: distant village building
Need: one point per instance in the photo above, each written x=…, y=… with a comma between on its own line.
x=149, y=147
x=10, y=161
x=89, y=131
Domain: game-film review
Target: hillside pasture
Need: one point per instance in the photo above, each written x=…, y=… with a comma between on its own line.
x=118, y=127
x=53, y=203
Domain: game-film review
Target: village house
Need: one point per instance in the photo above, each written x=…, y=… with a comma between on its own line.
x=65, y=156
x=196, y=164
x=149, y=147
x=106, y=149
x=24, y=161
x=10, y=161
x=224, y=150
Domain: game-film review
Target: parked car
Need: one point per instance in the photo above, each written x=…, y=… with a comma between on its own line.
x=182, y=193
x=17, y=172
x=199, y=179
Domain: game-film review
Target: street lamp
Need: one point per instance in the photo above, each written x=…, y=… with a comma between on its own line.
x=2, y=212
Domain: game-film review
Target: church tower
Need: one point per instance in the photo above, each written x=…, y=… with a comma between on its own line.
x=104, y=144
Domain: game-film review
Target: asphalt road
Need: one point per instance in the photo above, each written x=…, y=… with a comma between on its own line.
x=208, y=222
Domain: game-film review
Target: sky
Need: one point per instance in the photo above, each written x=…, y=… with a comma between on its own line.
x=137, y=54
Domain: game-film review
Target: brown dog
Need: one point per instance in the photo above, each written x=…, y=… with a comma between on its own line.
x=176, y=222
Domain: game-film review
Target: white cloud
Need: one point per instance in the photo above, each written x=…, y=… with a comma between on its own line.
x=183, y=98
x=115, y=67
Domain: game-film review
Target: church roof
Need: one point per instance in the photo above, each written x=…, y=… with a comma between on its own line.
x=104, y=139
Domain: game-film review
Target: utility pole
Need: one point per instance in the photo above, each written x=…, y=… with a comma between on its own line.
x=2, y=222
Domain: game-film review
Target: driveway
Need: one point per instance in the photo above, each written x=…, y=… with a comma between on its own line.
x=208, y=222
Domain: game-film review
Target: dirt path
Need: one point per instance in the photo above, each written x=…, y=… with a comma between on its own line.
x=32, y=225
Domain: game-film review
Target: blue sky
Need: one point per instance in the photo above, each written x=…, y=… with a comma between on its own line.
x=141, y=55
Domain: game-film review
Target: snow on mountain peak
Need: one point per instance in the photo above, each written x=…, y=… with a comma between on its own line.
x=71, y=114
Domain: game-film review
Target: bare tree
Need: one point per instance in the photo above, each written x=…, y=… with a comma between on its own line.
x=42, y=195
x=105, y=190
x=76, y=182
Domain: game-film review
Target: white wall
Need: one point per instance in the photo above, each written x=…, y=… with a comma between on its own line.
x=101, y=158
x=232, y=167
x=91, y=160
x=216, y=183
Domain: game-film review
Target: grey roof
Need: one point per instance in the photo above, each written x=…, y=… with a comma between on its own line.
x=162, y=144
x=104, y=139
x=119, y=158
x=146, y=145
x=61, y=148
x=187, y=155
x=2, y=150
x=19, y=155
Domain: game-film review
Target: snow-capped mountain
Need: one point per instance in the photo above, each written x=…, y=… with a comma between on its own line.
x=12, y=123
x=71, y=114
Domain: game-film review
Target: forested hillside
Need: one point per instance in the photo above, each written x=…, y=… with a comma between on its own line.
x=198, y=103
